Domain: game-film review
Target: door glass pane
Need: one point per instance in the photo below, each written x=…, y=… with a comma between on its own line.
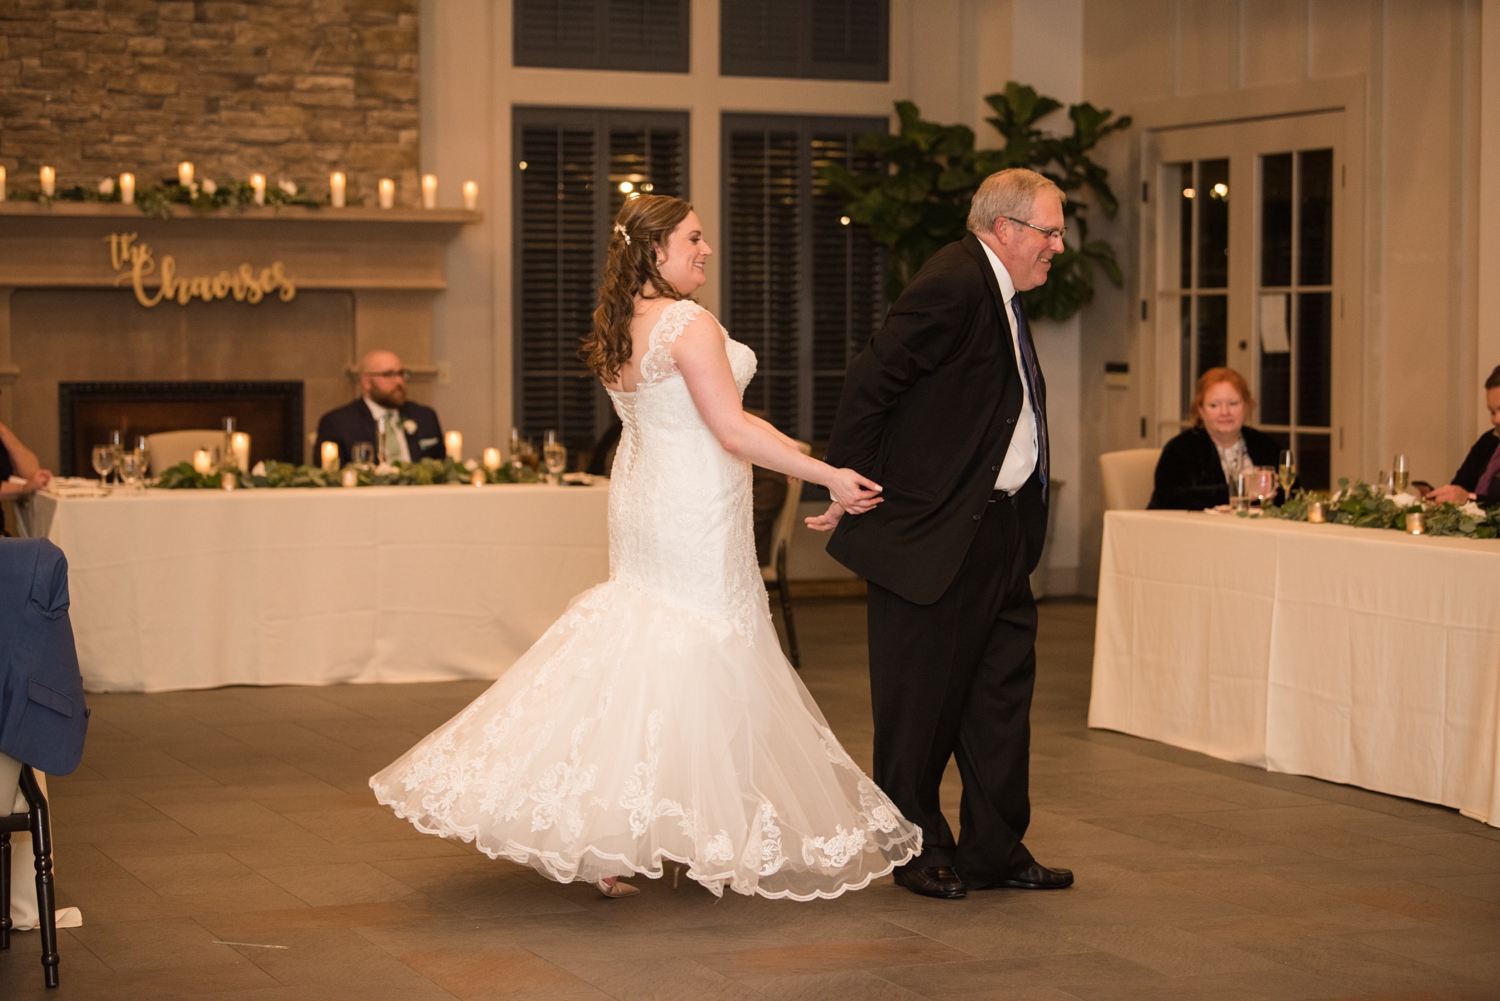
x=1183, y=202
x=1312, y=461
x=1276, y=219
x=1212, y=198
x=1185, y=341
x=1315, y=222
x=1275, y=358
x=1213, y=332
x=1314, y=357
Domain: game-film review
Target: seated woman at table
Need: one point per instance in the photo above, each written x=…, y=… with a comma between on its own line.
x=1477, y=478
x=18, y=461
x=1196, y=467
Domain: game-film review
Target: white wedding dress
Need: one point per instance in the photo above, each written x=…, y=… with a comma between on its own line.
x=658, y=719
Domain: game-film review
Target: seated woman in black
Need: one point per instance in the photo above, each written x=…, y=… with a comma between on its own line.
x=1195, y=467
x=1477, y=478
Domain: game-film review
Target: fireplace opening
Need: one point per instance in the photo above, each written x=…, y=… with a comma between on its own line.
x=270, y=412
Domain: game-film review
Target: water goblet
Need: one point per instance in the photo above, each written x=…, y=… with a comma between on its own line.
x=363, y=453
x=132, y=469
x=117, y=446
x=103, y=458
x=555, y=454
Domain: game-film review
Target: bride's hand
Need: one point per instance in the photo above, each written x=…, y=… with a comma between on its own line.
x=826, y=521
x=853, y=492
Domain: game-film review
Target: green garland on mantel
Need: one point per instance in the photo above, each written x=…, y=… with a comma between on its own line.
x=285, y=475
x=1362, y=506
x=202, y=197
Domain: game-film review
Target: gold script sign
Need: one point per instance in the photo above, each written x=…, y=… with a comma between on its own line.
x=135, y=261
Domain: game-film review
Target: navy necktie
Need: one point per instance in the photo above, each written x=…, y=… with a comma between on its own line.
x=1032, y=373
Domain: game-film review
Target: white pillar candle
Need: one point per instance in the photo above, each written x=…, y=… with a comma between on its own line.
x=185, y=173
x=429, y=191
x=127, y=189
x=387, y=193
x=471, y=195
x=455, y=442
x=336, y=189
x=2, y=184
x=49, y=181
x=330, y=456
x=492, y=458
x=203, y=463
x=350, y=477
x=239, y=445
x=258, y=186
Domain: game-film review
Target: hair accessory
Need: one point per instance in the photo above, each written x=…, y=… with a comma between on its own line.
x=621, y=230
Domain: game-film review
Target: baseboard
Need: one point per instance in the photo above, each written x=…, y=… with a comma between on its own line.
x=852, y=587
x=1062, y=582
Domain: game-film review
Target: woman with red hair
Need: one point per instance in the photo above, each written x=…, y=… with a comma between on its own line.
x=1197, y=466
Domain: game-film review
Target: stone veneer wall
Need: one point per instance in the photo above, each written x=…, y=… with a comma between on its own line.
x=288, y=88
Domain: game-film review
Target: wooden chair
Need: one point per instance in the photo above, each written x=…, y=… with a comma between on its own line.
x=774, y=573
x=1129, y=477
x=168, y=448
x=18, y=785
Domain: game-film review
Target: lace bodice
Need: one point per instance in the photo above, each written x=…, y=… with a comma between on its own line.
x=680, y=519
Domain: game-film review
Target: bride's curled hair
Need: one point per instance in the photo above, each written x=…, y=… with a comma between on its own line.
x=642, y=226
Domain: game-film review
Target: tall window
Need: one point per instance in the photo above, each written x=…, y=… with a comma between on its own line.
x=818, y=39
x=574, y=169
x=1196, y=266
x=645, y=35
x=805, y=288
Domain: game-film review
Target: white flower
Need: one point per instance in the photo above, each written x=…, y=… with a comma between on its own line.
x=289, y=187
x=107, y=186
x=209, y=187
x=1337, y=495
x=1473, y=511
x=259, y=469
x=471, y=464
x=384, y=469
x=409, y=426
x=193, y=189
x=1404, y=499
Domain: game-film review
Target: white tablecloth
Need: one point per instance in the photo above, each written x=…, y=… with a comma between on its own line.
x=175, y=589
x=1355, y=655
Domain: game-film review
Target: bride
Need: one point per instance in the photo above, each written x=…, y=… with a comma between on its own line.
x=657, y=719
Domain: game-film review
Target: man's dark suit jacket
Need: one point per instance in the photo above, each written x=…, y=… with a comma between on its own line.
x=1475, y=464
x=43, y=718
x=927, y=411
x=352, y=423
x=1189, y=476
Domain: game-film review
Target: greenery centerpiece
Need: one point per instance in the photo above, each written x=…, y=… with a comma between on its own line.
x=1364, y=506
x=281, y=475
x=202, y=197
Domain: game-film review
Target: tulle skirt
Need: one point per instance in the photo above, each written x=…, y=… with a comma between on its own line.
x=636, y=731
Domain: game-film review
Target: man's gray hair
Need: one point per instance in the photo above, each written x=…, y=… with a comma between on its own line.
x=1008, y=192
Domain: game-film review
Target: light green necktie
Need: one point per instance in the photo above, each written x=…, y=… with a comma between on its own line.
x=392, y=437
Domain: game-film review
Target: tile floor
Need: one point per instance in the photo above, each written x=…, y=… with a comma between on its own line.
x=224, y=845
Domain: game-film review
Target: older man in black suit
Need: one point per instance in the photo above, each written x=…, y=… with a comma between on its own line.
x=383, y=416
x=946, y=409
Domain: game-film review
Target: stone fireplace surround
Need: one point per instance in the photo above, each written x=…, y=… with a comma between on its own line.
x=364, y=279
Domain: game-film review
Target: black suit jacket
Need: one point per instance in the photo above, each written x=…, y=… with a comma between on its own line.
x=1189, y=476
x=43, y=717
x=927, y=411
x=1474, y=465
x=352, y=423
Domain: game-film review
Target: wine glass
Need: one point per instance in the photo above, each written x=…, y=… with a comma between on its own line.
x=143, y=452
x=555, y=455
x=1286, y=471
x=1265, y=484
x=117, y=447
x=1400, y=475
x=104, y=461
x=132, y=468
x=363, y=453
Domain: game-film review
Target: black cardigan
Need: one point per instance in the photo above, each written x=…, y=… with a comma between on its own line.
x=1189, y=476
x=1474, y=465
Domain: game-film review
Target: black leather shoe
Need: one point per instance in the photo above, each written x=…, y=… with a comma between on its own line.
x=1035, y=877
x=935, y=881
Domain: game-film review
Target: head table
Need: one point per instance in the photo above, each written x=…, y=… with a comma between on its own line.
x=178, y=589
x=1362, y=656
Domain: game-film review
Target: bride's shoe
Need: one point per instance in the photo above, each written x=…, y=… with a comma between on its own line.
x=616, y=889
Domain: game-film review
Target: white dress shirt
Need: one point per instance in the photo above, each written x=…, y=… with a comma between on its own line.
x=378, y=412
x=1021, y=457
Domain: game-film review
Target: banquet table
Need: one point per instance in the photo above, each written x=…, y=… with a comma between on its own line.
x=1362, y=656
x=180, y=589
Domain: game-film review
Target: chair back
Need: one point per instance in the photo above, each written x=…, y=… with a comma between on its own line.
x=168, y=448
x=1129, y=477
x=786, y=520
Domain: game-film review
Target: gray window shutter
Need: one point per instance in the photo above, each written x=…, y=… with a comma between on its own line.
x=643, y=35
x=815, y=39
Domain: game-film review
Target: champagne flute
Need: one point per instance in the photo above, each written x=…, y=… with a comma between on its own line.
x=1286, y=471
x=104, y=461
x=555, y=455
x=117, y=447
x=1400, y=475
x=143, y=452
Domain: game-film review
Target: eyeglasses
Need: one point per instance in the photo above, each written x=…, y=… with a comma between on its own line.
x=1051, y=234
x=395, y=373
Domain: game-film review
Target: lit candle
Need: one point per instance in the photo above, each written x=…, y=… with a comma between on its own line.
x=429, y=191
x=127, y=189
x=350, y=477
x=330, y=456
x=387, y=193
x=185, y=173
x=1316, y=513
x=49, y=181
x=336, y=189
x=471, y=195
x=477, y=478
x=203, y=463
x=492, y=458
x=239, y=445
x=1416, y=524
x=2, y=183
x=258, y=185
x=228, y=479
x=455, y=442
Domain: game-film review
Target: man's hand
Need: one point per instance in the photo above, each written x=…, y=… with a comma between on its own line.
x=1451, y=494
x=825, y=521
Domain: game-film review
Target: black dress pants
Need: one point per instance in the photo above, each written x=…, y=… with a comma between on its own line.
x=955, y=678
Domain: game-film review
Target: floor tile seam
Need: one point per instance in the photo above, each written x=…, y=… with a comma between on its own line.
x=1347, y=979
x=359, y=932
x=1428, y=881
